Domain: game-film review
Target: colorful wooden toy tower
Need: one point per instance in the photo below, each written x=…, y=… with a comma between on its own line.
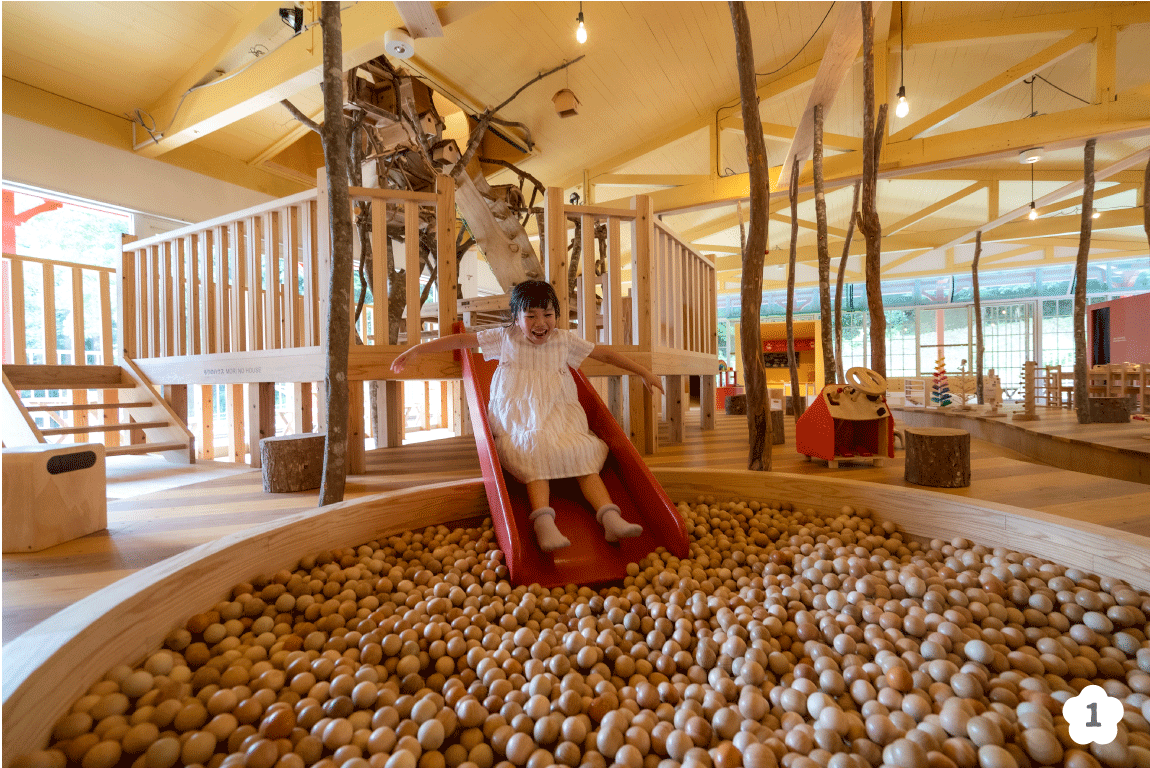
x=940, y=386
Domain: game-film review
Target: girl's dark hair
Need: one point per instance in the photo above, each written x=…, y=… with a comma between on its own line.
x=532, y=294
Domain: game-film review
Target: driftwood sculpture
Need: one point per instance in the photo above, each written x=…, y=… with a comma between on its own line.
x=1081, y=397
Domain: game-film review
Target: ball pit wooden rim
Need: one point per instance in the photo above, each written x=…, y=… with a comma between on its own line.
x=56, y=661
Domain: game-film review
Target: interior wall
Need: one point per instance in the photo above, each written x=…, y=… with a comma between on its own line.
x=42, y=157
x=1129, y=333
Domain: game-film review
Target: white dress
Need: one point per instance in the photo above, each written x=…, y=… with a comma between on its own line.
x=540, y=430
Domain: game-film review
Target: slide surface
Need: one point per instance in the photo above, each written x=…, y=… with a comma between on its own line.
x=590, y=559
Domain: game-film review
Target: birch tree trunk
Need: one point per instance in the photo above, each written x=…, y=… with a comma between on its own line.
x=824, y=254
x=798, y=402
x=754, y=375
x=1081, y=403
x=978, y=348
x=869, y=223
x=337, y=335
x=839, y=287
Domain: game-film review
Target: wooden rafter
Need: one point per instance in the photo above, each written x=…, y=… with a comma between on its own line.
x=997, y=84
x=420, y=19
x=787, y=133
x=294, y=66
x=977, y=31
x=836, y=64
x=934, y=208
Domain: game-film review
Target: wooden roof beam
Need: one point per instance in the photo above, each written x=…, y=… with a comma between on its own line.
x=1126, y=117
x=934, y=208
x=787, y=133
x=842, y=50
x=977, y=31
x=294, y=66
x=995, y=85
x=1075, y=187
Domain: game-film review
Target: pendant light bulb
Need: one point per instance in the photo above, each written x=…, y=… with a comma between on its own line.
x=1096, y=214
x=1033, y=213
x=902, y=108
x=580, y=30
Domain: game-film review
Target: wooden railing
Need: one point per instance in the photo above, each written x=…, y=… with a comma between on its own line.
x=87, y=281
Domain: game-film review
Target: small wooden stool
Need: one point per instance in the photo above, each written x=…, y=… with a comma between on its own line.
x=53, y=493
x=292, y=462
x=937, y=457
x=778, y=437
x=736, y=405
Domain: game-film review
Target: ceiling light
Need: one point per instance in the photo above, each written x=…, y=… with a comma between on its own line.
x=1030, y=155
x=580, y=29
x=902, y=109
x=1033, y=213
x=1097, y=214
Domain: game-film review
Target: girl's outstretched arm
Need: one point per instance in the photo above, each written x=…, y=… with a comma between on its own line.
x=442, y=344
x=611, y=357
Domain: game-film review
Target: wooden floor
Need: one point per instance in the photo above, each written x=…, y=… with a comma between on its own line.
x=145, y=529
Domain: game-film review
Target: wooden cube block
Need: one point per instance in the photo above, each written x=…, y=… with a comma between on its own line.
x=292, y=463
x=53, y=494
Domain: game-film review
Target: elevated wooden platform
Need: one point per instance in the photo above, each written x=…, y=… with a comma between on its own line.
x=146, y=529
x=1119, y=451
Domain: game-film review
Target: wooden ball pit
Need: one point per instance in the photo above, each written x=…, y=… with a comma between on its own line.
x=54, y=663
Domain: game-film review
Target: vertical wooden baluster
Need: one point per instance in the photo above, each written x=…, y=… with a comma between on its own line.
x=50, y=355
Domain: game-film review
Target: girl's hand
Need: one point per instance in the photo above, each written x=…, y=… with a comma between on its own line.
x=399, y=363
x=652, y=382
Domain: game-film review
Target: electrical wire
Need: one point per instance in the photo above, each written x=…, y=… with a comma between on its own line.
x=808, y=42
x=1052, y=85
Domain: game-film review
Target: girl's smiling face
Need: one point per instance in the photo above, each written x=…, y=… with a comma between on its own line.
x=537, y=323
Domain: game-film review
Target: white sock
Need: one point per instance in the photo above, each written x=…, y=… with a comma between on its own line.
x=614, y=526
x=546, y=532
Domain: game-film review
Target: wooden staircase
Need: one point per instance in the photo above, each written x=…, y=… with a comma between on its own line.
x=128, y=403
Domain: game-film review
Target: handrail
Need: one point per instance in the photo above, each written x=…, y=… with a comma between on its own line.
x=59, y=263
x=255, y=210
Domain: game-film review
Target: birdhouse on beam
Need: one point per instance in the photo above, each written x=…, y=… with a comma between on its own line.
x=565, y=102
x=445, y=152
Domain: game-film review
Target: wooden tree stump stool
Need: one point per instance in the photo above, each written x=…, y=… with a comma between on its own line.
x=736, y=405
x=292, y=462
x=937, y=457
x=1110, y=410
x=777, y=437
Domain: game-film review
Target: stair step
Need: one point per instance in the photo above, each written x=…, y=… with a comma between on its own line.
x=141, y=448
x=87, y=407
x=25, y=377
x=103, y=428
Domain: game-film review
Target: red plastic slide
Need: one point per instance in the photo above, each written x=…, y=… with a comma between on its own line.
x=589, y=559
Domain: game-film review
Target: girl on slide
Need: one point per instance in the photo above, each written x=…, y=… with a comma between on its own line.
x=540, y=430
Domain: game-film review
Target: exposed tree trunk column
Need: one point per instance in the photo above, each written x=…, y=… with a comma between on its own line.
x=337, y=335
x=978, y=348
x=840, y=376
x=1146, y=202
x=824, y=254
x=869, y=223
x=1081, y=403
x=754, y=375
x=798, y=403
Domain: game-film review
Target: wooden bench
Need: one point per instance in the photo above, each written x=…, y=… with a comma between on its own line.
x=937, y=456
x=292, y=463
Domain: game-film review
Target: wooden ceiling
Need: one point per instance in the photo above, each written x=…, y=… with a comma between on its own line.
x=659, y=111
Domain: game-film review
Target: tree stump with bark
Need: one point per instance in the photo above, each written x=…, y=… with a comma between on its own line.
x=937, y=457
x=292, y=462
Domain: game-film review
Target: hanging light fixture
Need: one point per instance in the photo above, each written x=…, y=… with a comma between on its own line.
x=1033, y=213
x=580, y=29
x=902, y=108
